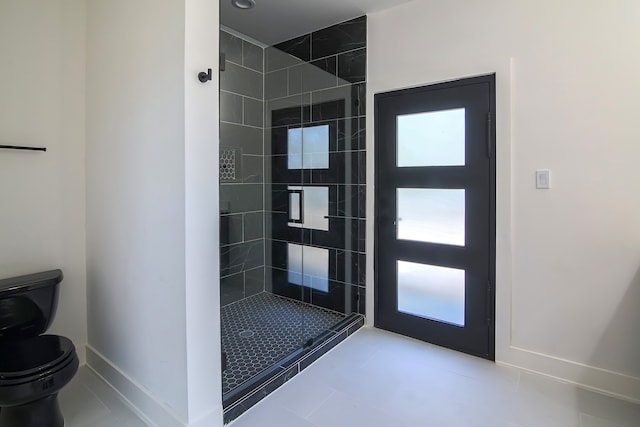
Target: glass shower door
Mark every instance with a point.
(285, 109)
(309, 205)
(300, 150)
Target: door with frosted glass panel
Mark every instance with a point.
(435, 214)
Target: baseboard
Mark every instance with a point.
(145, 405)
(211, 419)
(602, 381)
(81, 351)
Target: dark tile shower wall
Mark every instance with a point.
(241, 169)
(312, 80)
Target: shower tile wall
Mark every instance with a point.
(241, 169)
(318, 81)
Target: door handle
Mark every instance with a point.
(296, 206)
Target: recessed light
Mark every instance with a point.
(243, 4)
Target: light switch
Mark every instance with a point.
(543, 179)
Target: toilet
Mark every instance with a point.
(33, 367)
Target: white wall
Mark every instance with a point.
(204, 346)
(568, 258)
(153, 313)
(42, 195)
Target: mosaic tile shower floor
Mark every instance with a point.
(260, 330)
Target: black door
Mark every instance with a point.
(435, 213)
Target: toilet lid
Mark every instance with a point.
(29, 356)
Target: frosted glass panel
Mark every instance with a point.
(431, 139)
(294, 204)
(308, 148)
(308, 266)
(294, 148)
(431, 215)
(294, 263)
(431, 292)
(315, 204)
(315, 263)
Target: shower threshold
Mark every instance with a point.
(269, 339)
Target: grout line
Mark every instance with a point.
(330, 216)
(321, 247)
(239, 94)
(242, 227)
(240, 183)
(297, 125)
(306, 62)
(240, 124)
(241, 66)
(264, 166)
(306, 303)
(314, 91)
(242, 52)
(241, 36)
(243, 212)
(336, 281)
(243, 110)
(321, 404)
(317, 169)
(242, 243)
(288, 80)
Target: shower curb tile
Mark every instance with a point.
(249, 388)
(325, 347)
(347, 322)
(281, 379)
(292, 359)
(357, 325)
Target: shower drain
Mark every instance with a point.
(246, 333)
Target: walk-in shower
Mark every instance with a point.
(292, 198)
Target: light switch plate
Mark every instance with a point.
(543, 179)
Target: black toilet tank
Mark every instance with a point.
(28, 304)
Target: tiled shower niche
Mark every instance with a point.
(292, 200)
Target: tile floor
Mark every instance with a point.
(88, 402)
(259, 331)
(379, 379)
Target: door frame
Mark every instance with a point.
(491, 149)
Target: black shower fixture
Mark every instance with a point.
(205, 77)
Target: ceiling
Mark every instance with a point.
(274, 21)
